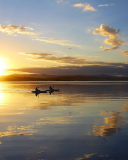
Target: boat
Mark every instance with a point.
(39, 91)
(52, 90)
(45, 91)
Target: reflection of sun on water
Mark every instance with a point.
(1, 97)
(2, 101)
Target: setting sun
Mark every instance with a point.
(2, 66)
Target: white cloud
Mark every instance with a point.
(13, 30)
(51, 57)
(10, 29)
(59, 1)
(62, 1)
(89, 30)
(87, 7)
(79, 5)
(106, 30)
(112, 33)
(60, 42)
(104, 5)
(102, 46)
(125, 53)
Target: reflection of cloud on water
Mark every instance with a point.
(10, 133)
(112, 124)
(27, 128)
(14, 131)
(104, 131)
(114, 121)
(30, 129)
(53, 120)
(41, 107)
(66, 100)
(88, 156)
(125, 109)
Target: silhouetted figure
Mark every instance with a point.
(50, 88)
(37, 89)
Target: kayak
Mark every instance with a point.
(39, 91)
(45, 91)
(52, 90)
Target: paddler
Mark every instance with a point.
(37, 89)
(50, 88)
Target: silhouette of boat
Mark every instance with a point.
(39, 91)
(52, 90)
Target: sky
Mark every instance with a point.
(64, 37)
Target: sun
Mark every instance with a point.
(2, 66)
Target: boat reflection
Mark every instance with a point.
(52, 91)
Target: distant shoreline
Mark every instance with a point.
(42, 77)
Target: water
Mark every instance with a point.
(85, 120)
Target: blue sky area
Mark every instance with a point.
(81, 37)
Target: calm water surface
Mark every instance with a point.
(85, 120)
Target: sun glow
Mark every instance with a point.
(2, 66)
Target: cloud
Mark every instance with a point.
(11, 29)
(102, 46)
(73, 60)
(87, 7)
(112, 33)
(59, 1)
(110, 48)
(79, 5)
(89, 30)
(62, 1)
(104, 5)
(113, 41)
(51, 57)
(125, 53)
(60, 42)
(106, 31)
(96, 68)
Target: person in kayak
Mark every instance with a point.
(37, 89)
(50, 88)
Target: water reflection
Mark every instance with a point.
(112, 126)
(93, 155)
(82, 116)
